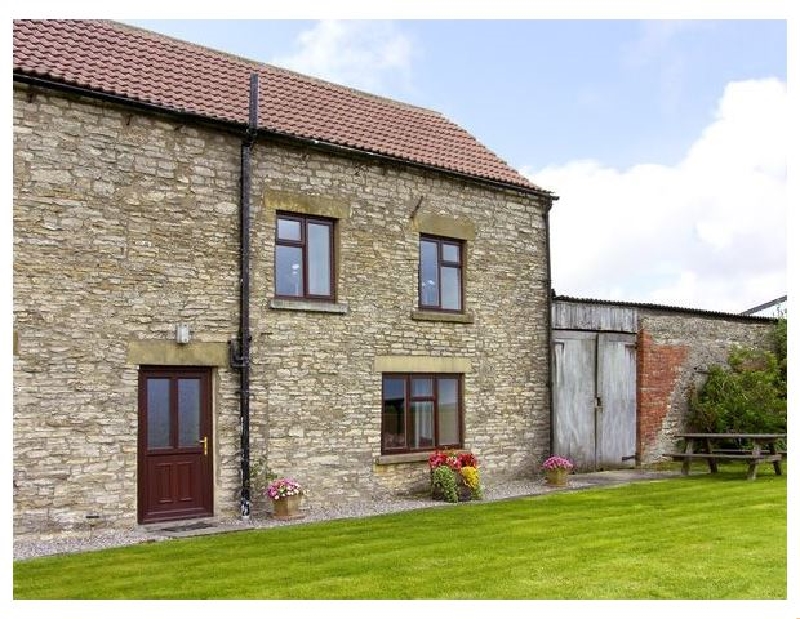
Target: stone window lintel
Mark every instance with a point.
(444, 226)
(305, 204)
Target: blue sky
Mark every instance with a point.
(664, 139)
(543, 92)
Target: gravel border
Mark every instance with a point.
(31, 546)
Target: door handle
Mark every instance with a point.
(204, 440)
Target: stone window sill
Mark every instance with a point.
(466, 317)
(324, 307)
(420, 456)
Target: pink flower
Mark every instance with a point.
(283, 487)
(557, 462)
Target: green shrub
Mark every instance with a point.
(779, 344)
(748, 396)
(444, 479)
(260, 476)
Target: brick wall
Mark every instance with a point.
(658, 368)
(126, 224)
(673, 352)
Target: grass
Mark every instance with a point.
(701, 537)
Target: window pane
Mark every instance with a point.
(289, 230)
(451, 253)
(451, 288)
(428, 273)
(394, 407)
(158, 422)
(448, 411)
(421, 387)
(421, 430)
(319, 259)
(188, 412)
(288, 271)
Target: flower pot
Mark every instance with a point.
(287, 507)
(556, 477)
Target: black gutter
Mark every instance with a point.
(243, 360)
(230, 126)
(236, 127)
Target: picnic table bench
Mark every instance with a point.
(763, 450)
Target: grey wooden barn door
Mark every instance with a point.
(574, 359)
(616, 413)
(594, 378)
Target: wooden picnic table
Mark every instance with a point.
(706, 446)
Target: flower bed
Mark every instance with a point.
(454, 477)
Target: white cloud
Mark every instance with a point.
(709, 232)
(369, 55)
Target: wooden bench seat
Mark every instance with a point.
(699, 455)
(742, 451)
(713, 447)
(752, 460)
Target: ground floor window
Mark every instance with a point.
(422, 412)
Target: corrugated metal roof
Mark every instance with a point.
(667, 308)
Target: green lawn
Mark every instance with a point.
(701, 537)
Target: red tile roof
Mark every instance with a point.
(151, 68)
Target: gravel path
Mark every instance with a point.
(27, 547)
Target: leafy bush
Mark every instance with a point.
(443, 478)
(260, 477)
(748, 396)
(260, 474)
(779, 344)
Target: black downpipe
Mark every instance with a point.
(549, 323)
(242, 361)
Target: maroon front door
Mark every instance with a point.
(175, 480)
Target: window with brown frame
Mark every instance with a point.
(441, 274)
(421, 412)
(304, 257)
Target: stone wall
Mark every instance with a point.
(126, 224)
(674, 351)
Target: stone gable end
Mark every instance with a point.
(126, 225)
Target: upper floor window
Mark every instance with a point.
(441, 274)
(303, 257)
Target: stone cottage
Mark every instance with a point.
(334, 285)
